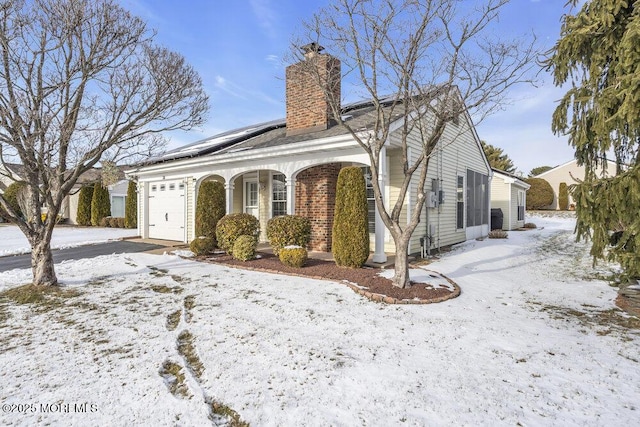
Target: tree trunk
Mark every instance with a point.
(42, 264)
(401, 276)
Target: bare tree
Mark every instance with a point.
(425, 61)
(82, 81)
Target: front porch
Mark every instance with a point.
(309, 192)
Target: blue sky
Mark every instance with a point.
(238, 48)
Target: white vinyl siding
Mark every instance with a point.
(460, 152)
(501, 198)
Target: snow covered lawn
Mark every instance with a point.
(531, 340)
(13, 242)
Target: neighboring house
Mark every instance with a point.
(291, 166)
(569, 173)
(8, 172)
(509, 193)
(69, 208)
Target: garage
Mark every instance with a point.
(167, 210)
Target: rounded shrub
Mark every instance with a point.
(563, 196)
(104, 222)
(11, 196)
(540, 195)
(202, 245)
(232, 226)
(210, 207)
(131, 206)
(350, 237)
(293, 256)
(288, 230)
(83, 215)
(100, 204)
(114, 222)
(244, 248)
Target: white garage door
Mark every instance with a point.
(166, 210)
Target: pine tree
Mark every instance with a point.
(598, 54)
(131, 206)
(497, 158)
(83, 215)
(350, 237)
(100, 204)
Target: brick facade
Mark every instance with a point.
(307, 107)
(316, 199)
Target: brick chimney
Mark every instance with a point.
(307, 107)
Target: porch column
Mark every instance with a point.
(143, 211)
(291, 195)
(228, 186)
(379, 256)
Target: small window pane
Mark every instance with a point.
(162, 187)
(154, 188)
(172, 187)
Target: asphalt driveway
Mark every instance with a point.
(89, 251)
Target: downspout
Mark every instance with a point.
(510, 203)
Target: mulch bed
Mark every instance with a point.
(365, 281)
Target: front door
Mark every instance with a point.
(251, 198)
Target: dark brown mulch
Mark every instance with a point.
(368, 279)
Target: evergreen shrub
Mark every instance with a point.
(210, 207)
(11, 196)
(350, 238)
(563, 196)
(104, 222)
(113, 222)
(293, 256)
(540, 195)
(288, 230)
(131, 206)
(100, 204)
(202, 245)
(244, 248)
(232, 226)
(83, 215)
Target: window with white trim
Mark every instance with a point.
(278, 195)
(371, 201)
(521, 204)
(460, 202)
